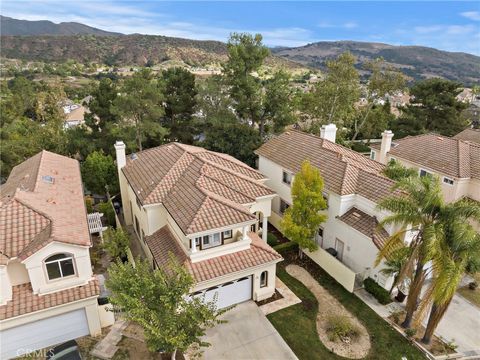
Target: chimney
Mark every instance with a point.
(120, 153)
(386, 145)
(328, 132)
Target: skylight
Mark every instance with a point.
(48, 179)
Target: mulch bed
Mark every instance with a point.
(276, 296)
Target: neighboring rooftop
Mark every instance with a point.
(200, 189)
(471, 135)
(344, 171)
(450, 156)
(367, 225)
(24, 301)
(163, 243)
(42, 201)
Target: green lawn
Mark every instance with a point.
(297, 324)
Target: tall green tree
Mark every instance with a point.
(333, 99)
(457, 250)
(433, 107)
(98, 172)
(417, 209)
(157, 301)
(180, 100)
(101, 106)
(116, 242)
(384, 79)
(302, 219)
(140, 105)
(397, 171)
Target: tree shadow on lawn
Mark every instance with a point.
(297, 323)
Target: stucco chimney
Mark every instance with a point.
(328, 132)
(386, 145)
(120, 153)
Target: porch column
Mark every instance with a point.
(245, 233)
(264, 228)
(193, 245)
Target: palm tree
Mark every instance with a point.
(394, 264)
(457, 251)
(415, 206)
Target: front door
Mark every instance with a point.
(339, 245)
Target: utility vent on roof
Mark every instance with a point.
(48, 179)
(394, 145)
(357, 215)
(133, 156)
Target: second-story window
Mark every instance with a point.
(209, 241)
(447, 180)
(59, 266)
(283, 206)
(227, 234)
(286, 177)
(424, 172)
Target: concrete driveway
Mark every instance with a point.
(247, 335)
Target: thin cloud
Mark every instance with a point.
(472, 15)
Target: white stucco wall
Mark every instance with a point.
(17, 272)
(5, 286)
(38, 274)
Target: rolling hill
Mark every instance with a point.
(11, 26)
(415, 61)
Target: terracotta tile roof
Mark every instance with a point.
(34, 212)
(199, 188)
(163, 242)
(366, 224)
(24, 301)
(450, 156)
(344, 171)
(472, 135)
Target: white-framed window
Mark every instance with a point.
(227, 234)
(209, 241)
(283, 206)
(287, 177)
(424, 172)
(448, 180)
(372, 154)
(59, 266)
(264, 279)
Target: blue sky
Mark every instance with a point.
(452, 26)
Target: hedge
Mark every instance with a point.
(286, 247)
(382, 295)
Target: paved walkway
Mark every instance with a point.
(289, 299)
(247, 335)
(107, 347)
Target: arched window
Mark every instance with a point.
(264, 279)
(59, 266)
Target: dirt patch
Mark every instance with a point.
(276, 296)
(358, 347)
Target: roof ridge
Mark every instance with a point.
(267, 248)
(224, 184)
(24, 203)
(222, 200)
(235, 161)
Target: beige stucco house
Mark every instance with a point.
(353, 187)
(48, 293)
(456, 161)
(207, 209)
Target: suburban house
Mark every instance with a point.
(206, 209)
(456, 161)
(350, 239)
(48, 292)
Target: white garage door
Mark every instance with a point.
(230, 293)
(43, 333)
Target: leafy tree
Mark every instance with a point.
(140, 105)
(457, 250)
(377, 119)
(433, 107)
(180, 101)
(277, 108)
(214, 103)
(116, 242)
(99, 171)
(233, 138)
(384, 80)
(302, 220)
(396, 171)
(100, 106)
(157, 301)
(333, 99)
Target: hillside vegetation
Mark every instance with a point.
(416, 62)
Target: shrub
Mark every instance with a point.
(382, 295)
(340, 327)
(287, 247)
(473, 285)
(89, 204)
(116, 242)
(272, 239)
(108, 211)
(396, 316)
(410, 332)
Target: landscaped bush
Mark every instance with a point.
(340, 327)
(382, 295)
(287, 247)
(272, 239)
(473, 285)
(108, 211)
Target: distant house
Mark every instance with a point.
(454, 160)
(48, 292)
(206, 209)
(350, 239)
